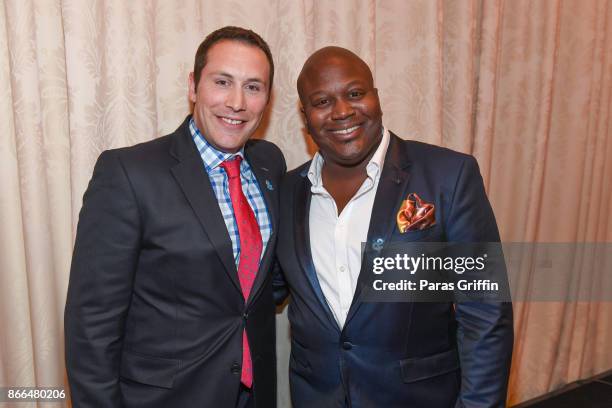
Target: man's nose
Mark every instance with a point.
(342, 110)
(235, 99)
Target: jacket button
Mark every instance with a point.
(235, 369)
(245, 315)
(347, 345)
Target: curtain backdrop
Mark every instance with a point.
(525, 86)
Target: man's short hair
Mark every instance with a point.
(230, 33)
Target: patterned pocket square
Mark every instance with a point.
(415, 214)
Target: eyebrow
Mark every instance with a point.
(230, 76)
(357, 82)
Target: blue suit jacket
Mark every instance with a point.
(421, 355)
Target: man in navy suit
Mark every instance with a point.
(170, 299)
(346, 352)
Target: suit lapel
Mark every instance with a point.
(193, 180)
(301, 202)
(389, 196)
(267, 189)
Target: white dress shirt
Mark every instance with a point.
(336, 239)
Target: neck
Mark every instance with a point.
(335, 171)
(343, 182)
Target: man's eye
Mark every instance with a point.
(356, 94)
(222, 82)
(253, 88)
(321, 102)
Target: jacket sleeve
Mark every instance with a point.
(279, 285)
(100, 287)
(485, 333)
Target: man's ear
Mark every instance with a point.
(192, 88)
(378, 98)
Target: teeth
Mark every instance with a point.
(232, 121)
(346, 131)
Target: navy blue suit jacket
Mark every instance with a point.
(420, 355)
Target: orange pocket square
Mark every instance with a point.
(415, 214)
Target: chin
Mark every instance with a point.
(231, 144)
(356, 156)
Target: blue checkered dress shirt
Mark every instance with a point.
(212, 159)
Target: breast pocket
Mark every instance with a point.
(432, 233)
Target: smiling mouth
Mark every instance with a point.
(231, 121)
(346, 131)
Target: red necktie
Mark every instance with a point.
(250, 251)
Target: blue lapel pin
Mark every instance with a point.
(378, 244)
(269, 185)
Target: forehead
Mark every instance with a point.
(334, 73)
(237, 58)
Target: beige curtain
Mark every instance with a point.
(525, 86)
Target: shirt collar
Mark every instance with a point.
(211, 156)
(373, 169)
